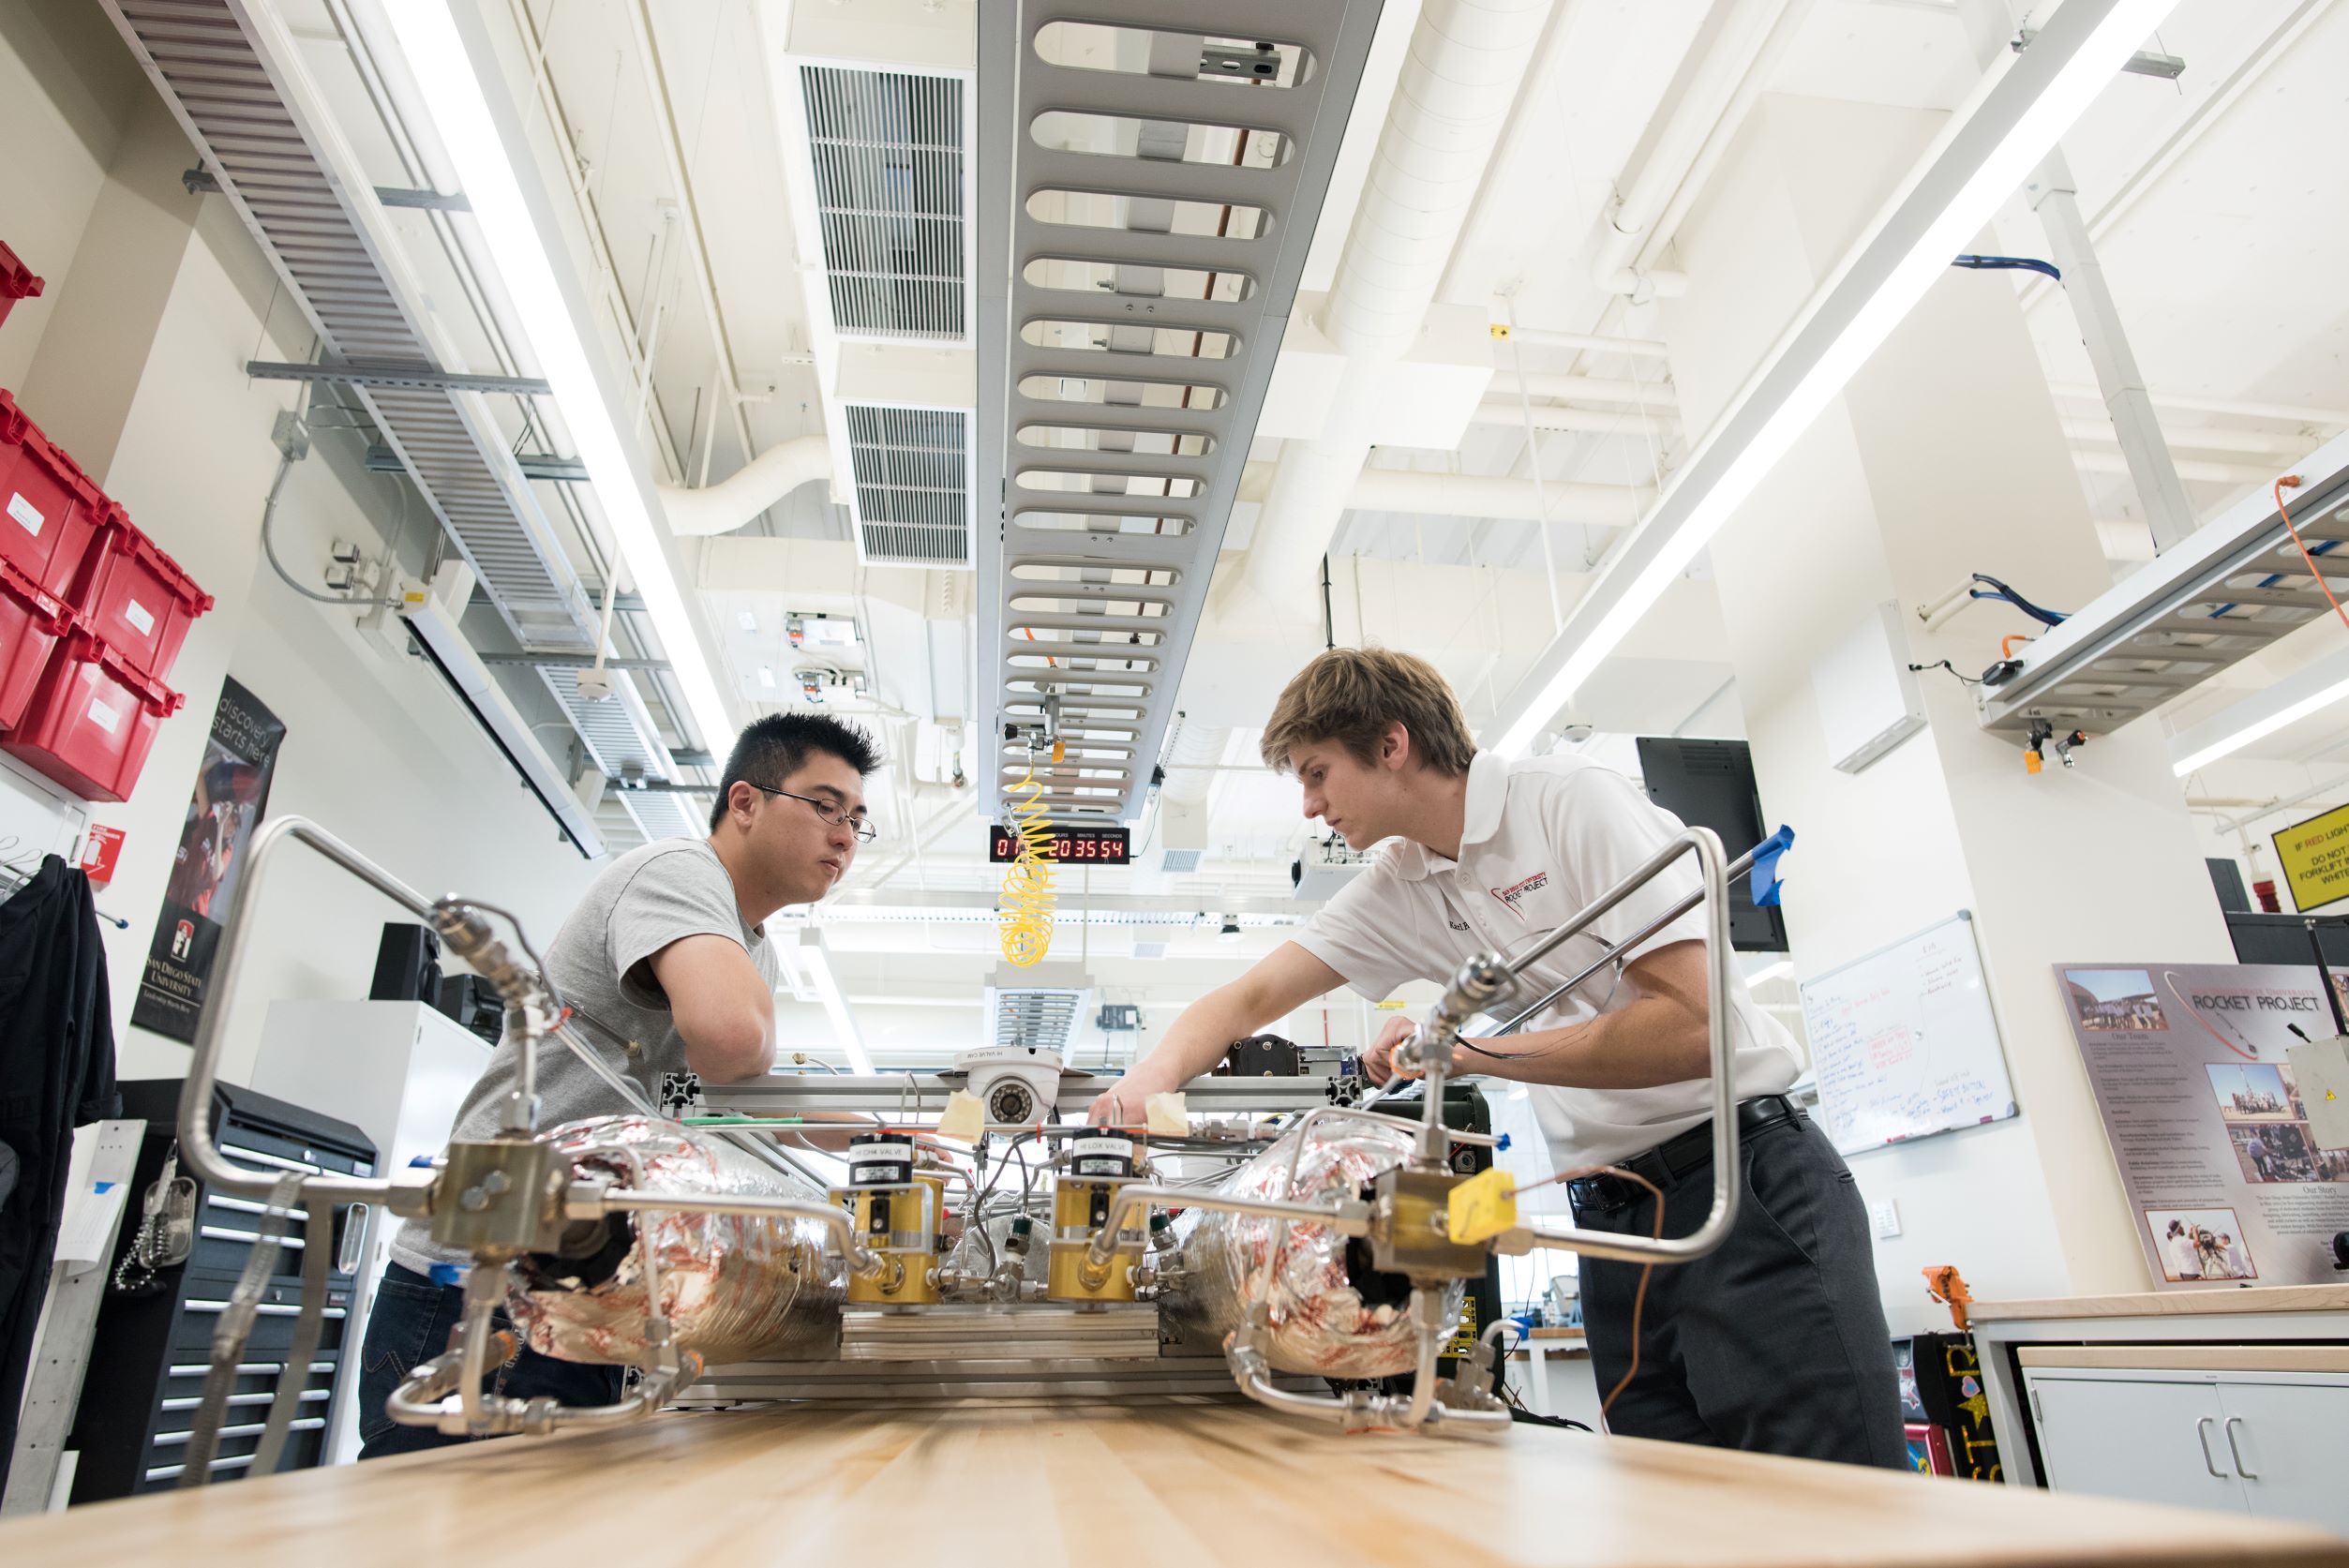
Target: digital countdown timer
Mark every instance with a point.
(1070, 847)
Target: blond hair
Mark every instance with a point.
(1350, 694)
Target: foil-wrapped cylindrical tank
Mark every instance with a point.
(1329, 1317)
(734, 1287)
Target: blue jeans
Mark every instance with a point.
(410, 1324)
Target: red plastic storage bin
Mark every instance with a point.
(16, 280)
(31, 622)
(49, 508)
(91, 720)
(136, 598)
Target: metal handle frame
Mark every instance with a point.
(2202, 1438)
(1488, 977)
(196, 1142)
(2235, 1450)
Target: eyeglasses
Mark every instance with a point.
(832, 815)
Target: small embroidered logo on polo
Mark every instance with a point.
(1514, 895)
(1456, 925)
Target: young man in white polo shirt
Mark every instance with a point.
(1776, 1343)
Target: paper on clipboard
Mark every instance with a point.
(86, 1233)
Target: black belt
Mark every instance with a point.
(1676, 1157)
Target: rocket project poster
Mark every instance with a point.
(2227, 1184)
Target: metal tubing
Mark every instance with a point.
(1723, 1213)
(1351, 1219)
(196, 1147)
(1737, 868)
(862, 1261)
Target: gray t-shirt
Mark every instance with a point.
(600, 962)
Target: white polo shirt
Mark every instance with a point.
(1541, 841)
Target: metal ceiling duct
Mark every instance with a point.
(232, 76)
(1108, 509)
(233, 82)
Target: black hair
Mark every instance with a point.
(774, 748)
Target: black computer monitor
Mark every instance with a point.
(1709, 783)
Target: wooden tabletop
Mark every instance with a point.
(1176, 1483)
(2166, 1304)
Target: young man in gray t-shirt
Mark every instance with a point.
(667, 964)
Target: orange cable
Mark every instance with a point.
(2294, 481)
(1647, 1271)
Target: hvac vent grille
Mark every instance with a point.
(912, 472)
(888, 153)
(1036, 1020)
(1179, 860)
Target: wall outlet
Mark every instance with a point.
(1884, 1217)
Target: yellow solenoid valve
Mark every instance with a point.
(1099, 1163)
(899, 1212)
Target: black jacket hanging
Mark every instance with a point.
(56, 1072)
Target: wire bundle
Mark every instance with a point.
(1026, 914)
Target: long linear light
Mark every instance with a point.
(2305, 691)
(2015, 116)
(818, 960)
(444, 71)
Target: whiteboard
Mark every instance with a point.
(1903, 1042)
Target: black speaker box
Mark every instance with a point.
(407, 966)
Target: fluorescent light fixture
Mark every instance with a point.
(2306, 690)
(818, 960)
(2022, 108)
(1779, 970)
(469, 130)
(767, 675)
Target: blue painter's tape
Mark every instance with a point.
(1765, 882)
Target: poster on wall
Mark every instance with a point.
(231, 792)
(2227, 1183)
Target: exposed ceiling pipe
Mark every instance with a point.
(1191, 763)
(672, 153)
(1732, 41)
(1603, 422)
(1589, 389)
(2289, 414)
(1591, 343)
(1458, 84)
(2259, 444)
(2112, 461)
(1461, 495)
(1724, 131)
(750, 490)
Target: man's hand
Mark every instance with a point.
(1127, 1102)
(1378, 1062)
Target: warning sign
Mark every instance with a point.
(2314, 855)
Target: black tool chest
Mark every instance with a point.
(148, 1360)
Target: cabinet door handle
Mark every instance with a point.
(2202, 1435)
(2233, 1447)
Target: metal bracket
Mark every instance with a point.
(422, 377)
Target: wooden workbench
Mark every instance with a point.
(1177, 1482)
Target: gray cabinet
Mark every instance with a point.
(2257, 1442)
